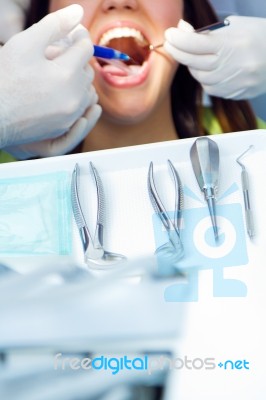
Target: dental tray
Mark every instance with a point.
(130, 219)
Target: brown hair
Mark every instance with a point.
(186, 92)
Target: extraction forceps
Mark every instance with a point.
(94, 252)
(204, 155)
(172, 227)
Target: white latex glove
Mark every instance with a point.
(41, 98)
(61, 145)
(229, 62)
(12, 17)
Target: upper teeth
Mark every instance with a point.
(119, 33)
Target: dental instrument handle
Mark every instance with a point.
(87, 242)
(77, 211)
(98, 236)
(213, 27)
(248, 211)
(205, 160)
(109, 53)
(250, 223)
(209, 194)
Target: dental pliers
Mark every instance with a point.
(94, 252)
(172, 227)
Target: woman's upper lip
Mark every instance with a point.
(118, 24)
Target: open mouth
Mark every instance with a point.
(127, 40)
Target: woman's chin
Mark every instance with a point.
(126, 117)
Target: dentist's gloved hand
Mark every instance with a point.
(229, 62)
(47, 102)
(12, 17)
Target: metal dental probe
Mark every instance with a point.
(212, 27)
(245, 189)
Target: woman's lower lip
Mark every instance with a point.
(125, 81)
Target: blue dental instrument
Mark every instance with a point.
(109, 53)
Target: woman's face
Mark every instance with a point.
(129, 25)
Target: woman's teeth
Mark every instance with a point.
(120, 32)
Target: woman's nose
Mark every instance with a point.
(109, 5)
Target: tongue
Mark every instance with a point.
(114, 70)
(118, 68)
